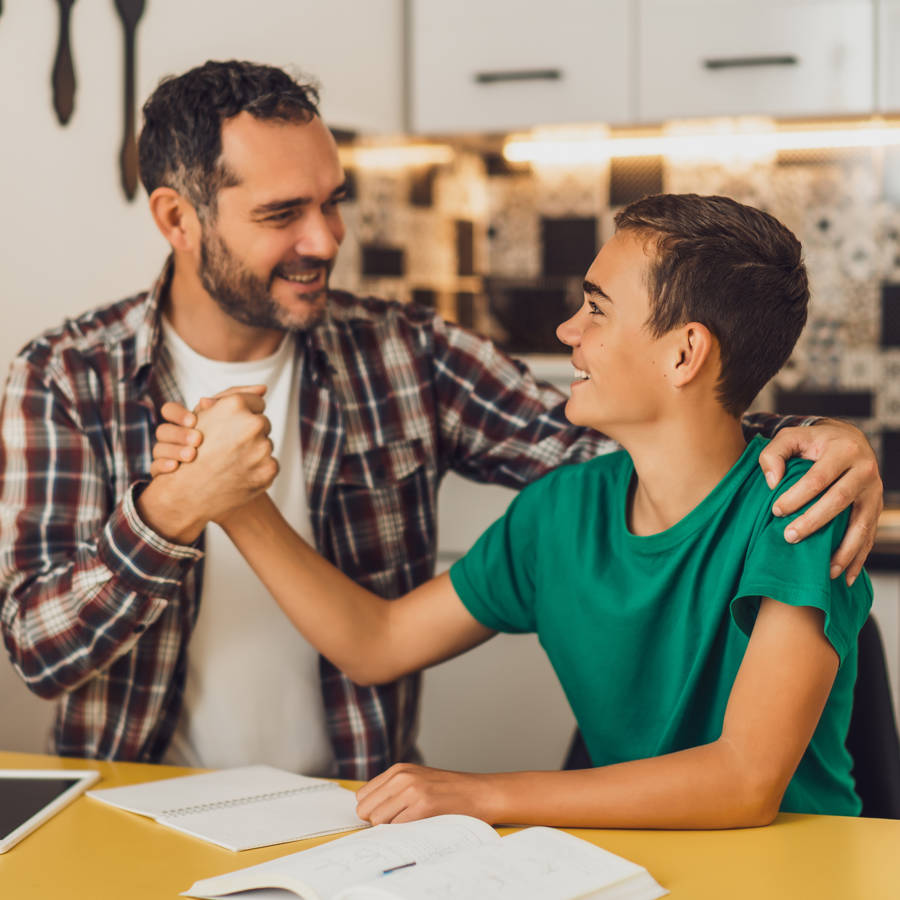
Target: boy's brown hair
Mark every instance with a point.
(733, 268)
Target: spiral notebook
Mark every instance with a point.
(243, 808)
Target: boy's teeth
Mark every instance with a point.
(581, 374)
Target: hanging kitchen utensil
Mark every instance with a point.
(63, 77)
(130, 12)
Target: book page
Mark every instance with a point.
(155, 798)
(276, 819)
(321, 872)
(534, 864)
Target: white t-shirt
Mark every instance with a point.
(253, 692)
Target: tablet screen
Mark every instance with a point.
(30, 797)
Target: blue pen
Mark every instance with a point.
(394, 868)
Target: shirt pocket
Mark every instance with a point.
(383, 466)
(383, 516)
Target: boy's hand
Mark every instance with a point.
(406, 792)
(845, 468)
(177, 439)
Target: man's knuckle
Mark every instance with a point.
(870, 469)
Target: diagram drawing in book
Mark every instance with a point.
(243, 808)
(441, 858)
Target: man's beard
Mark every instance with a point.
(246, 297)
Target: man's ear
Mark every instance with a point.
(692, 348)
(176, 219)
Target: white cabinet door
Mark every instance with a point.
(770, 57)
(353, 49)
(888, 38)
(494, 65)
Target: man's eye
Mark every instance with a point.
(284, 216)
(594, 309)
(336, 201)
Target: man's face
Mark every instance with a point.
(267, 257)
(620, 365)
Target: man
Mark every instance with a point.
(118, 600)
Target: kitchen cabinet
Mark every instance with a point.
(769, 57)
(496, 65)
(353, 50)
(888, 53)
(485, 65)
(886, 611)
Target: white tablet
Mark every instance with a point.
(28, 797)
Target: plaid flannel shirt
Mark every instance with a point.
(97, 609)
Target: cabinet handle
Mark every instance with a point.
(518, 75)
(746, 62)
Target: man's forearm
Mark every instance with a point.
(73, 606)
(768, 424)
(169, 513)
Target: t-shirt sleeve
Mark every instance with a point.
(798, 574)
(496, 579)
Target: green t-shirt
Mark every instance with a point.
(646, 634)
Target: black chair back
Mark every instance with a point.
(872, 739)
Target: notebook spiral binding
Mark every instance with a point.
(243, 801)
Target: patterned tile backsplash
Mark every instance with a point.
(503, 249)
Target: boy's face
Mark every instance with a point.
(621, 371)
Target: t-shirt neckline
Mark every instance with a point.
(743, 467)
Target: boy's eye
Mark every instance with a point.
(594, 309)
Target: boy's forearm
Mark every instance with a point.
(344, 621)
(702, 787)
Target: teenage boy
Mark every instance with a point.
(709, 664)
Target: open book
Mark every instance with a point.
(239, 809)
(442, 858)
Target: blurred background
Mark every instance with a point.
(489, 145)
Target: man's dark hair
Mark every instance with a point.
(735, 269)
(181, 139)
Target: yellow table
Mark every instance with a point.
(91, 851)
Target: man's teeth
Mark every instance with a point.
(582, 375)
(302, 277)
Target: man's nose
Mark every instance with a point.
(318, 237)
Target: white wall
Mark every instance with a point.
(69, 240)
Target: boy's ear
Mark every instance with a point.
(176, 219)
(694, 345)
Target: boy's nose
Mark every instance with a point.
(568, 332)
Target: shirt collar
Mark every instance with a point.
(149, 332)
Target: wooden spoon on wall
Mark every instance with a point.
(130, 12)
(63, 77)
